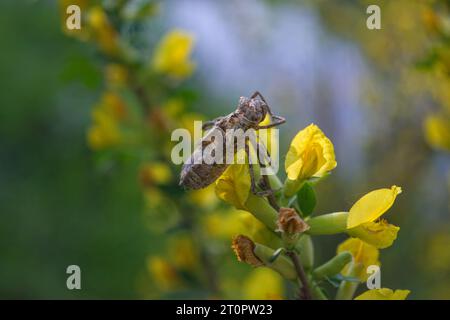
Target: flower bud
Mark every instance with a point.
(333, 266)
(331, 223)
(305, 249)
(261, 210)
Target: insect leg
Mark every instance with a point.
(265, 182)
(267, 160)
(209, 124)
(258, 94)
(279, 120)
(263, 193)
(250, 167)
(267, 157)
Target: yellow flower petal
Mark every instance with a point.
(113, 105)
(223, 224)
(183, 253)
(116, 75)
(205, 198)
(311, 154)
(172, 54)
(153, 197)
(103, 133)
(383, 294)
(371, 206)
(103, 32)
(363, 254)
(379, 234)
(153, 173)
(233, 186)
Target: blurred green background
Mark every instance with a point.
(370, 91)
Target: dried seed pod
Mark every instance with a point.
(244, 247)
(290, 223)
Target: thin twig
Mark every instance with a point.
(210, 271)
(141, 93)
(306, 291)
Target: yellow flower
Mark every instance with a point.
(171, 55)
(437, 132)
(379, 234)
(431, 20)
(183, 253)
(372, 206)
(205, 198)
(103, 32)
(104, 132)
(163, 273)
(383, 294)
(153, 197)
(311, 154)
(174, 107)
(364, 255)
(113, 105)
(233, 186)
(263, 284)
(155, 173)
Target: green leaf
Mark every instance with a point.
(306, 199)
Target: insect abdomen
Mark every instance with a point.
(198, 176)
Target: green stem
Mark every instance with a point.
(317, 292)
(282, 264)
(305, 289)
(291, 187)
